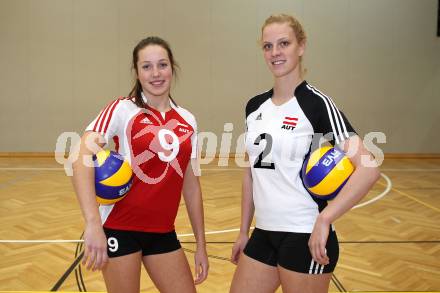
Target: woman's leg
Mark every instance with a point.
(294, 282)
(170, 272)
(122, 273)
(298, 271)
(254, 276)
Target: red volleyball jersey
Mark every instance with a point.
(158, 146)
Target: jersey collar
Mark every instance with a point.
(145, 99)
(300, 88)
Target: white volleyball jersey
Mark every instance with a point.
(278, 138)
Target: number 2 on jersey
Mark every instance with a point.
(260, 163)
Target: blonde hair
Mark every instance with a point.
(295, 25)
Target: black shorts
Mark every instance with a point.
(121, 242)
(290, 251)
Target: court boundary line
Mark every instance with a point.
(381, 195)
(67, 273)
(415, 199)
(388, 187)
(337, 283)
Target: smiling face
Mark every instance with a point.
(154, 71)
(281, 49)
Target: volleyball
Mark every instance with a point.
(113, 177)
(326, 171)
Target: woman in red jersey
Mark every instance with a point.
(159, 139)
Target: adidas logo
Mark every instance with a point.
(259, 117)
(146, 121)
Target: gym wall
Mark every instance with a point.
(64, 60)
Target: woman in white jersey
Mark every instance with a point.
(159, 138)
(294, 244)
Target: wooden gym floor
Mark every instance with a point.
(390, 243)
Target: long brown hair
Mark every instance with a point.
(136, 91)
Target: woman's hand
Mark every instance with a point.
(201, 265)
(238, 247)
(318, 240)
(95, 251)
